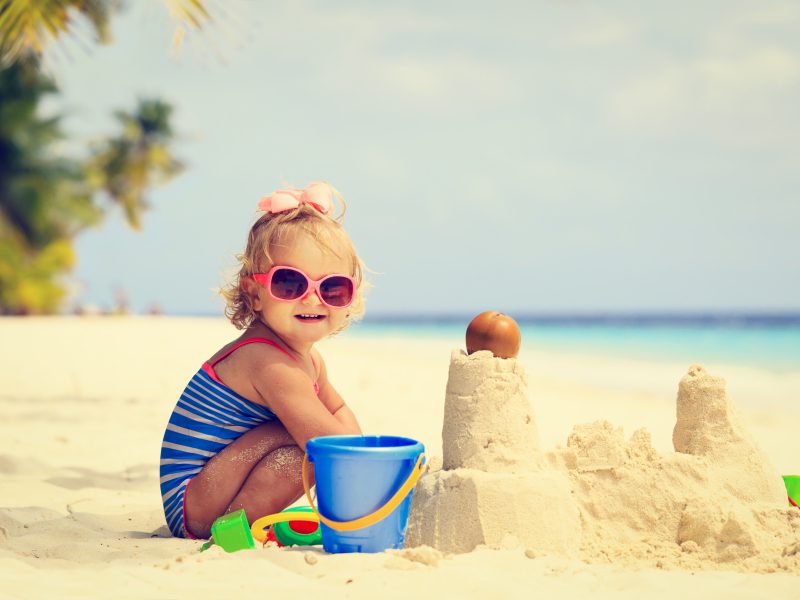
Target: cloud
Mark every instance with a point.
(749, 96)
(603, 32)
(732, 78)
(767, 13)
(441, 81)
(390, 53)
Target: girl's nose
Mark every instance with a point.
(312, 297)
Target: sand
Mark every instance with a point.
(84, 402)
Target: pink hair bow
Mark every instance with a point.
(318, 194)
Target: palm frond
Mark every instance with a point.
(27, 26)
(189, 12)
(126, 166)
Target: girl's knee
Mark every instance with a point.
(286, 463)
(273, 484)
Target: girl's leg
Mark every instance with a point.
(273, 484)
(259, 466)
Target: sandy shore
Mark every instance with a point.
(85, 400)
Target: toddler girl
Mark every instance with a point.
(238, 432)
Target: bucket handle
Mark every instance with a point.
(373, 517)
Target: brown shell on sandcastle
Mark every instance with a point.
(716, 500)
(495, 332)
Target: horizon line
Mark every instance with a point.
(728, 317)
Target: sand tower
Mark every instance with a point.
(708, 426)
(493, 488)
(716, 498)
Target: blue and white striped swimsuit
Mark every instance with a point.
(208, 416)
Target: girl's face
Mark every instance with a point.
(306, 320)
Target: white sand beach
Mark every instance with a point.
(84, 402)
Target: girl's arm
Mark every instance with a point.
(348, 419)
(286, 390)
(333, 400)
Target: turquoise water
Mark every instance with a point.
(772, 343)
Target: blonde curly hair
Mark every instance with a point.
(273, 229)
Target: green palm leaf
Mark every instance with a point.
(44, 198)
(26, 26)
(127, 165)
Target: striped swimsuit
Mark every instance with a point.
(208, 416)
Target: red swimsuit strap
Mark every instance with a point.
(252, 341)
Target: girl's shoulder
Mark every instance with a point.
(256, 346)
(257, 367)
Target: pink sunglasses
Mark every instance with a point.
(288, 283)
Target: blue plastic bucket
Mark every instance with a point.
(357, 475)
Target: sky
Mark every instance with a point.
(530, 157)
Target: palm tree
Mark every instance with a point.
(127, 165)
(44, 199)
(27, 25)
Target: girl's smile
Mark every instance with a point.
(309, 318)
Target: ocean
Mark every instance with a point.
(770, 341)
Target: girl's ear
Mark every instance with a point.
(249, 287)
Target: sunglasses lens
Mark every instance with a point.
(337, 291)
(288, 285)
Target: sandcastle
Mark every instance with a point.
(715, 500)
(493, 488)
